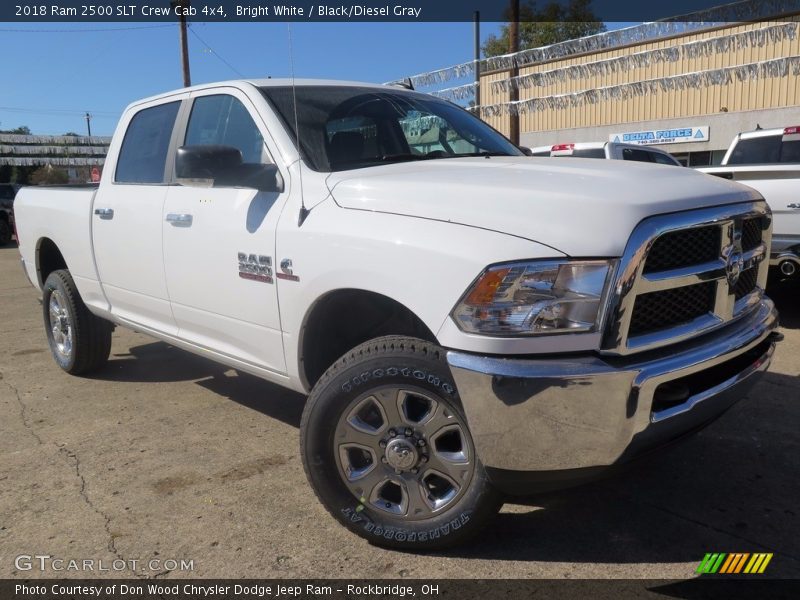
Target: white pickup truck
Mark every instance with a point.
(468, 322)
(768, 160)
(609, 151)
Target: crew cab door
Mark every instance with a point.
(126, 217)
(219, 242)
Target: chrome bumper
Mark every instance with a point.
(579, 412)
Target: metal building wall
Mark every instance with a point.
(736, 96)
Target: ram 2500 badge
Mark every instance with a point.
(467, 322)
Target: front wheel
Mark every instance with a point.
(79, 341)
(387, 449)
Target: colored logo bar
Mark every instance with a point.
(734, 562)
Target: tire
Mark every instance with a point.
(422, 488)
(5, 232)
(79, 341)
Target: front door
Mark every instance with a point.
(219, 243)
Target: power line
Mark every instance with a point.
(215, 53)
(7, 30)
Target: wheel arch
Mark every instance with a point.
(48, 259)
(342, 319)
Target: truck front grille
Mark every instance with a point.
(668, 308)
(682, 248)
(684, 274)
(752, 233)
(748, 281)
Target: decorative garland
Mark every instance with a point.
(768, 69)
(744, 11)
(698, 48)
(461, 92)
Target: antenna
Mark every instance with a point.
(303, 210)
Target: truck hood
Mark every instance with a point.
(580, 207)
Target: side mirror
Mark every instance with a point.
(526, 151)
(222, 166)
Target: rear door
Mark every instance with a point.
(219, 242)
(126, 219)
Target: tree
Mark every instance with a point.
(551, 24)
(49, 175)
(24, 130)
(72, 133)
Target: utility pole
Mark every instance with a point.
(478, 61)
(89, 124)
(513, 47)
(183, 5)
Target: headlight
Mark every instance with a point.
(536, 298)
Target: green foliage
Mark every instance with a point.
(551, 24)
(24, 130)
(49, 175)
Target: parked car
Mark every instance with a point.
(608, 150)
(7, 193)
(468, 323)
(768, 160)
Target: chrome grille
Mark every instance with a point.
(668, 308)
(748, 281)
(687, 273)
(682, 248)
(752, 232)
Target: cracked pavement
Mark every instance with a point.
(164, 455)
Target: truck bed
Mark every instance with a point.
(61, 214)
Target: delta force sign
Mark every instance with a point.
(677, 135)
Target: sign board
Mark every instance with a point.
(673, 135)
(95, 174)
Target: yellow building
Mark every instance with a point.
(734, 78)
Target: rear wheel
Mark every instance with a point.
(79, 341)
(387, 448)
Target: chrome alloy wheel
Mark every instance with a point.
(60, 325)
(402, 451)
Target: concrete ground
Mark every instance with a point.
(164, 455)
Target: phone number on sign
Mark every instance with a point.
(116, 10)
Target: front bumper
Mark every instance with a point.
(578, 413)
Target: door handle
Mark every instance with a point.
(794, 205)
(179, 220)
(104, 213)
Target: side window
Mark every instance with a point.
(223, 120)
(589, 153)
(663, 159)
(143, 155)
(754, 151)
(637, 155)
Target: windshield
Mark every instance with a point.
(343, 127)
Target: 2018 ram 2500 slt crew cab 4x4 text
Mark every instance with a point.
(467, 321)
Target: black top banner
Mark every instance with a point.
(83, 11)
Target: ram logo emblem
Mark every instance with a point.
(255, 267)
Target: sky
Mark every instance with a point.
(57, 72)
